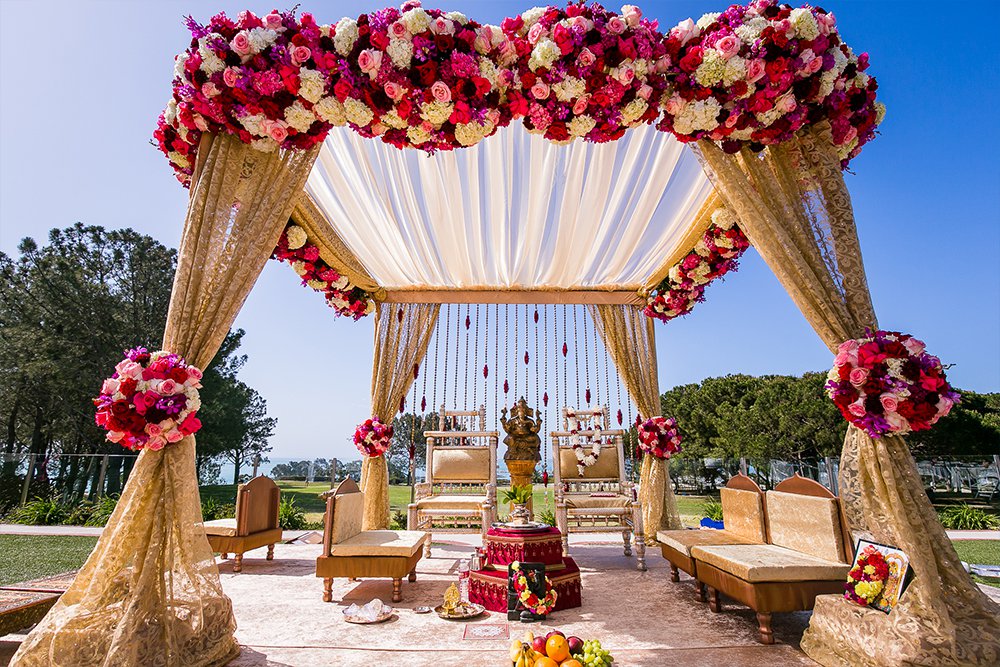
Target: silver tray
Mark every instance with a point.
(386, 614)
(464, 611)
(530, 527)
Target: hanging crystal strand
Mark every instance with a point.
(444, 374)
(475, 364)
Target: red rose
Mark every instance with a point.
(528, 80)
(557, 131)
(427, 73)
(380, 40)
(444, 42)
(692, 59)
(482, 85)
(342, 90)
(404, 107)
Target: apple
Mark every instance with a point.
(555, 632)
(539, 644)
(575, 645)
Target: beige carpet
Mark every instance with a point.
(641, 617)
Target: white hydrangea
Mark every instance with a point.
(700, 273)
(418, 135)
(804, 23)
(394, 120)
(296, 237)
(640, 66)
(261, 38)
(458, 17)
(674, 274)
(264, 145)
(179, 159)
(879, 113)
(827, 81)
(170, 113)
(252, 123)
(531, 17)
(416, 20)
(179, 63)
(746, 134)
(357, 112)
(580, 126)
(488, 70)
(470, 134)
(299, 117)
(401, 52)
(330, 110)
(723, 218)
(736, 70)
(750, 31)
(569, 88)
(707, 20)
(346, 36)
(634, 110)
(711, 69)
(210, 63)
(318, 285)
(299, 267)
(544, 54)
(311, 84)
(844, 150)
(436, 113)
(702, 248)
(698, 115)
(340, 283)
(769, 116)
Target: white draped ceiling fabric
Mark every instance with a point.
(515, 212)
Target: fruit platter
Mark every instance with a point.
(555, 649)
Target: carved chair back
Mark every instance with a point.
(257, 506)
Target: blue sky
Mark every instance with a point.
(77, 110)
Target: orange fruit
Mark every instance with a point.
(545, 661)
(557, 648)
(572, 662)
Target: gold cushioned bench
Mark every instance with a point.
(808, 554)
(743, 517)
(351, 552)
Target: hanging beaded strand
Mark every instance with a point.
(468, 323)
(514, 348)
(447, 347)
(586, 360)
(506, 361)
(576, 357)
(458, 345)
(565, 351)
(545, 400)
(434, 385)
(527, 358)
(475, 364)
(597, 371)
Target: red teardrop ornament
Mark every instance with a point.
(468, 322)
(423, 404)
(486, 371)
(587, 395)
(526, 357)
(416, 371)
(506, 387)
(545, 478)
(399, 315)
(545, 399)
(536, 316)
(402, 403)
(413, 451)
(565, 349)
(619, 417)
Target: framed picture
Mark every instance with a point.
(899, 577)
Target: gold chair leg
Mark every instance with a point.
(270, 552)
(764, 625)
(397, 590)
(238, 563)
(328, 589)
(412, 576)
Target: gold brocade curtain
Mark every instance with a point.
(150, 593)
(629, 338)
(402, 332)
(795, 209)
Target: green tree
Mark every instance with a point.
(409, 428)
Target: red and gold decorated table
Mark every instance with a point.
(502, 547)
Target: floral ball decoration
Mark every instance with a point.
(422, 78)
(344, 297)
(716, 254)
(264, 79)
(756, 74)
(151, 400)
(539, 606)
(586, 72)
(659, 437)
(886, 384)
(372, 437)
(867, 578)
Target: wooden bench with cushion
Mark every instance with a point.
(808, 555)
(255, 525)
(351, 552)
(743, 518)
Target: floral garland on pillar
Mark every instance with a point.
(152, 400)
(716, 254)
(373, 438)
(756, 74)
(887, 384)
(659, 437)
(344, 297)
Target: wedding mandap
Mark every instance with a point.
(574, 166)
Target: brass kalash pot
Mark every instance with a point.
(523, 444)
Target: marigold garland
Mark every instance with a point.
(531, 601)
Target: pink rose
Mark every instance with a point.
(625, 75)
(168, 387)
(784, 25)
(273, 21)
(632, 14)
(858, 376)
(786, 104)
(393, 90)
(300, 54)
(889, 402)
(674, 105)
(616, 25)
(200, 122)
(442, 26)
(540, 90)
(278, 131)
(484, 39)
(194, 372)
(841, 358)
(241, 43)
(582, 23)
(153, 429)
(493, 116)
(826, 23)
(944, 405)
(110, 386)
(441, 91)
(535, 33)
(755, 70)
(914, 346)
(848, 346)
(174, 436)
(684, 31)
(580, 106)
(728, 46)
(369, 61)
(115, 436)
(815, 65)
(857, 409)
(645, 91)
(209, 89)
(231, 76)
(156, 443)
(398, 30)
(585, 58)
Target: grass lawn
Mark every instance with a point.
(33, 556)
(980, 552)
